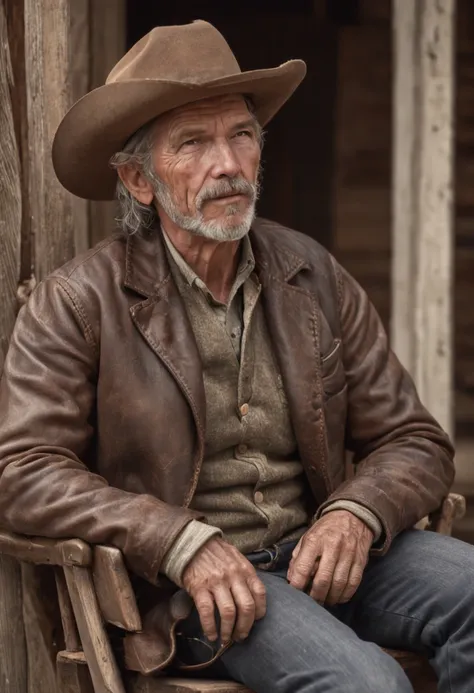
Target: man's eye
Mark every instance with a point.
(243, 133)
(190, 143)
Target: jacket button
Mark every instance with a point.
(258, 497)
(242, 449)
(244, 409)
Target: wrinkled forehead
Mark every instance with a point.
(206, 110)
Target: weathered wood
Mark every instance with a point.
(114, 590)
(13, 657)
(10, 196)
(68, 621)
(80, 60)
(95, 643)
(452, 509)
(422, 197)
(361, 196)
(45, 551)
(16, 36)
(42, 626)
(73, 673)
(13, 671)
(47, 68)
(108, 45)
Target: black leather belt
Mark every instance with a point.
(273, 557)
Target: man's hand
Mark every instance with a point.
(221, 576)
(335, 551)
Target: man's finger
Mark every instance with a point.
(324, 574)
(259, 592)
(245, 605)
(205, 606)
(340, 578)
(302, 567)
(353, 582)
(227, 610)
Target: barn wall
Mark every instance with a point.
(361, 234)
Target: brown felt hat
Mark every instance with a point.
(169, 67)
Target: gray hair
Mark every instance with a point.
(137, 152)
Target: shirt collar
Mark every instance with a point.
(244, 270)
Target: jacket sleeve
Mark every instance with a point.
(404, 460)
(47, 400)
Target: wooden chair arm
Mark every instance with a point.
(114, 589)
(452, 508)
(40, 550)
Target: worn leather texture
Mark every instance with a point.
(102, 406)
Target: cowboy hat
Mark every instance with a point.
(169, 67)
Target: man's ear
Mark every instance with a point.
(136, 183)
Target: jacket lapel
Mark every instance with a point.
(293, 320)
(162, 321)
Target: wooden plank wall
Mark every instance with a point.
(362, 177)
(108, 45)
(38, 233)
(464, 200)
(98, 41)
(361, 233)
(13, 657)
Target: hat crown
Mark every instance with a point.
(191, 53)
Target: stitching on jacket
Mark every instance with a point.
(80, 312)
(103, 244)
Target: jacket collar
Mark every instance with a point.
(146, 264)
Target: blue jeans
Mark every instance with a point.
(419, 597)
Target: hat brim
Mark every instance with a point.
(100, 123)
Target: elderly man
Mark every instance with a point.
(186, 391)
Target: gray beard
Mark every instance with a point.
(216, 230)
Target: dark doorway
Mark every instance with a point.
(298, 156)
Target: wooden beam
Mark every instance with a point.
(13, 657)
(107, 45)
(80, 63)
(422, 236)
(49, 97)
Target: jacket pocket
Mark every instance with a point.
(332, 370)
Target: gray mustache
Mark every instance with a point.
(232, 186)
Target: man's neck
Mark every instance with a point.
(214, 263)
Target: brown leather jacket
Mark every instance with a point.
(102, 408)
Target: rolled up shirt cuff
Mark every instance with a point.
(188, 543)
(360, 511)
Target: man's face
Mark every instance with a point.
(206, 158)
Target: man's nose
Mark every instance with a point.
(225, 161)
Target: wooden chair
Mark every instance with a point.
(94, 587)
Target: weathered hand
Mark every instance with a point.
(335, 551)
(219, 575)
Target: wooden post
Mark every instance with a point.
(13, 658)
(80, 57)
(36, 235)
(107, 46)
(48, 70)
(422, 197)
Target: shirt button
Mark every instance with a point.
(244, 409)
(242, 449)
(258, 497)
